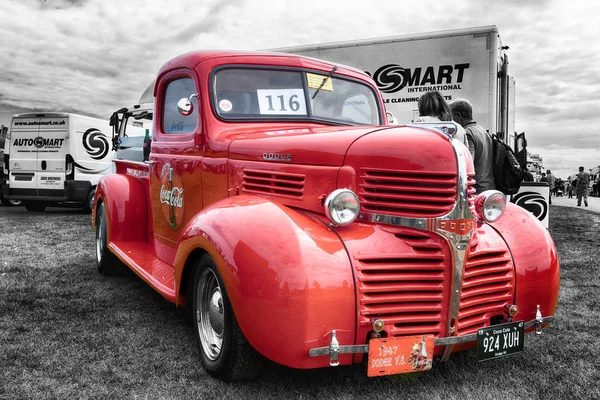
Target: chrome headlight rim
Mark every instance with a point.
(490, 205)
(338, 209)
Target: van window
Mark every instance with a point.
(173, 121)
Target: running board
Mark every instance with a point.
(141, 259)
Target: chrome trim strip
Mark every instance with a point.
(447, 341)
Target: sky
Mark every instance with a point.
(95, 56)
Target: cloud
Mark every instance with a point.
(97, 56)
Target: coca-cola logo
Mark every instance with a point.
(172, 197)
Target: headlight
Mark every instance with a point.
(490, 205)
(342, 206)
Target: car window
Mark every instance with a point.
(270, 94)
(173, 121)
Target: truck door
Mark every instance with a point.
(23, 155)
(51, 153)
(175, 164)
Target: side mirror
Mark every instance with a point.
(185, 106)
(391, 119)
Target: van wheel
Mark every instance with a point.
(88, 206)
(107, 262)
(224, 350)
(6, 202)
(35, 207)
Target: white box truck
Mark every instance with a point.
(468, 63)
(52, 158)
(129, 129)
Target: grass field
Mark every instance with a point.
(67, 332)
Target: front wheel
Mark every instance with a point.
(106, 262)
(224, 349)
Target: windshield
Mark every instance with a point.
(268, 94)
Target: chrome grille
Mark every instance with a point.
(407, 193)
(471, 193)
(406, 291)
(488, 285)
(275, 183)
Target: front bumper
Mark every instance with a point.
(335, 349)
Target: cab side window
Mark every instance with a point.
(173, 121)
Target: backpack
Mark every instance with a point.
(508, 173)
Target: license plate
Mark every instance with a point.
(500, 340)
(400, 355)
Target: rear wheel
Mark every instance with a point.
(35, 206)
(106, 261)
(225, 352)
(6, 202)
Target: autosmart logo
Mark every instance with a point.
(95, 143)
(533, 202)
(39, 142)
(391, 78)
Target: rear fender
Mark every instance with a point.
(287, 275)
(536, 261)
(124, 199)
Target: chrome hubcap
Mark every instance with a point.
(210, 315)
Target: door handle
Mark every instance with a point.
(150, 162)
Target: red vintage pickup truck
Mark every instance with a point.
(297, 225)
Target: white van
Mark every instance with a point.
(53, 158)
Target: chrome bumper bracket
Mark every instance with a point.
(335, 349)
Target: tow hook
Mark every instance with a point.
(538, 321)
(334, 350)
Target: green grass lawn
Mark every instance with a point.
(67, 332)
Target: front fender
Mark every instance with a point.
(124, 199)
(287, 275)
(536, 261)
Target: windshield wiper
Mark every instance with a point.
(325, 80)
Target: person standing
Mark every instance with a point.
(552, 184)
(583, 182)
(433, 108)
(479, 143)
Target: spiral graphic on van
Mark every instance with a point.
(533, 202)
(38, 142)
(95, 143)
(390, 78)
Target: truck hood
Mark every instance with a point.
(404, 171)
(384, 146)
(325, 146)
